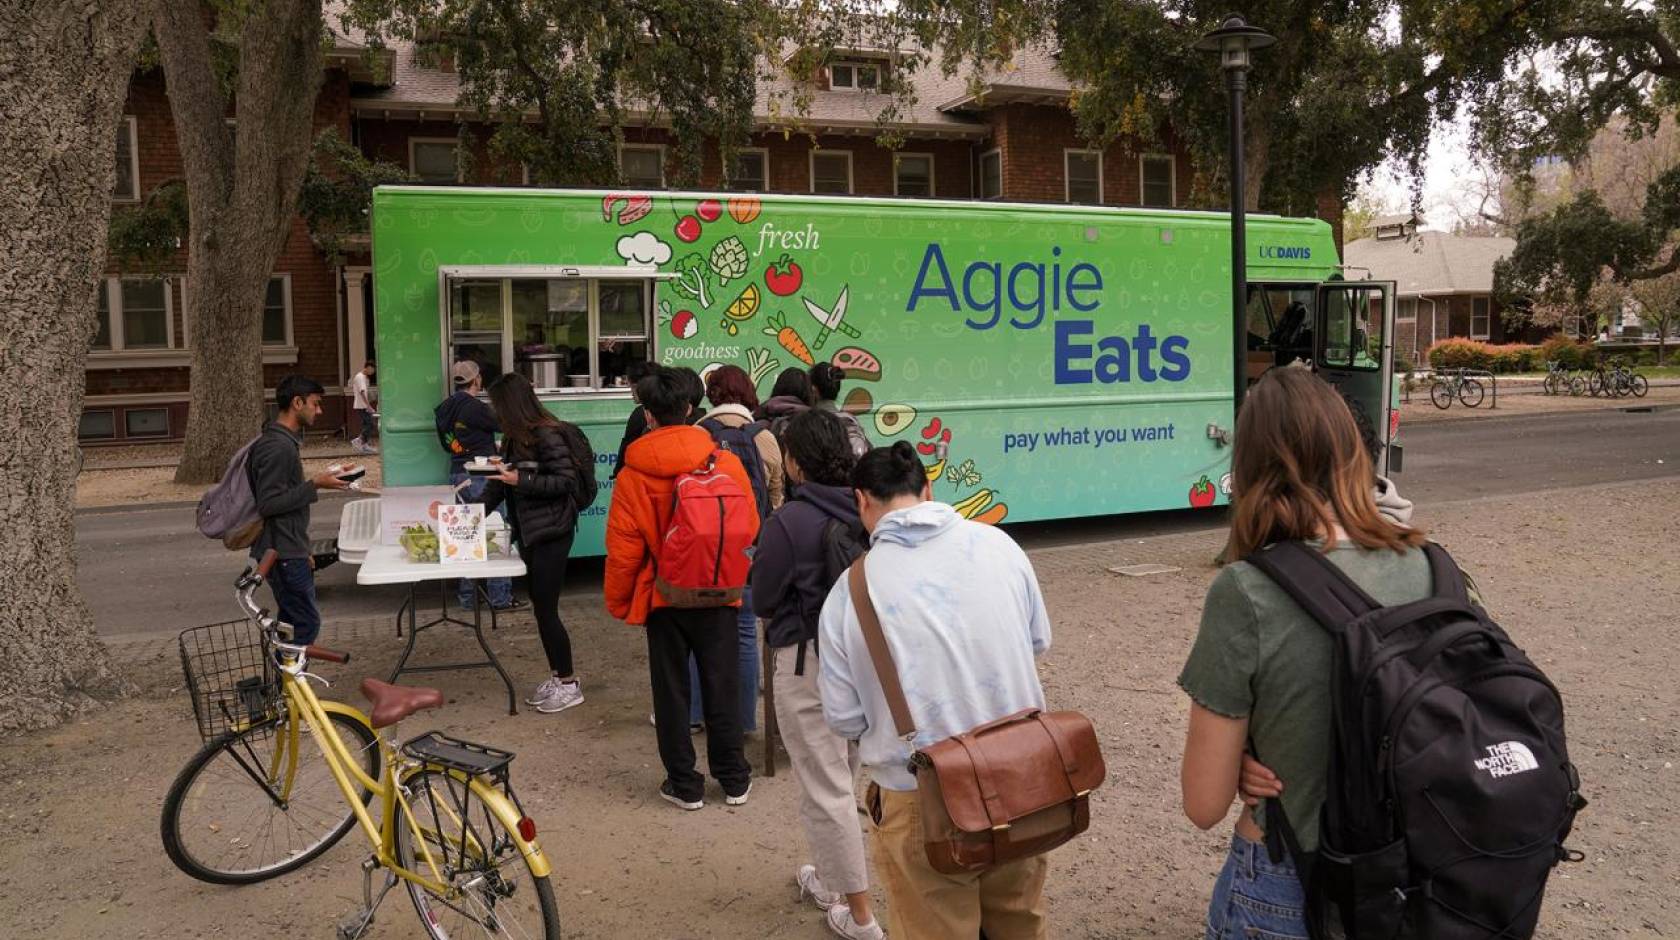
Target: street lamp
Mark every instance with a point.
(1234, 40)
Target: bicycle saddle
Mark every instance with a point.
(393, 703)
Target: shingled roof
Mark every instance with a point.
(1431, 262)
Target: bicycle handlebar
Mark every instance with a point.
(331, 656)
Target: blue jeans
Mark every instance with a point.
(501, 589)
(746, 626)
(1256, 898)
(293, 583)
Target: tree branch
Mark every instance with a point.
(195, 97)
(1655, 271)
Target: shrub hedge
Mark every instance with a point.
(1471, 354)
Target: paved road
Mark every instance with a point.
(149, 570)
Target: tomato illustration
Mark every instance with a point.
(1202, 493)
(783, 276)
(688, 228)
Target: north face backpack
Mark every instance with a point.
(228, 510)
(843, 542)
(707, 550)
(743, 443)
(1450, 790)
(583, 458)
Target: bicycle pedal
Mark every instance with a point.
(352, 925)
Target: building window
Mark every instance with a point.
(991, 174)
(1406, 309)
(1158, 184)
(277, 312)
(1479, 318)
(1084, 176)
(144, 314)
(752, 171)
(913, 174)
(859, 76)
(102, 329)
(565, 334)
(97, 426)
(642, 167)
(831, 172)
(146, 422)
(434, 160)
(128, 162)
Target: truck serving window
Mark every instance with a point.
(567, 334)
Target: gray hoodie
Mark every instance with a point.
(1390, 503)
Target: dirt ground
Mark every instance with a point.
(1420, 410)
(84, 858)
(109, 477)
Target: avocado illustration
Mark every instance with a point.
(893, 419)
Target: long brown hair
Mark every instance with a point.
(518, 411)
(1299, 469)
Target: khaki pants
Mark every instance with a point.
(1007, 902)
(825, 765)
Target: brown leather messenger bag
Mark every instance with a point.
(1006, 790)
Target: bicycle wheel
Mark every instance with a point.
(223, 822)
(1640, 385)
(1471, 393)
(1441, 394)
(1550, 386)
(1595, 383)
(1577, 387)
(493, 892)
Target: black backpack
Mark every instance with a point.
(742, 443)
(842, 543)
(583, 457)
(1450, 790)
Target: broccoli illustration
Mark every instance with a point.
(692, 275)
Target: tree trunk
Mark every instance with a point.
(242, 187)
(64, 69)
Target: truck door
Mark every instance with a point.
(1353, 348)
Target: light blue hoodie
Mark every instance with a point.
(964, 617)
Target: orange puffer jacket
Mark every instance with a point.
(642, 503)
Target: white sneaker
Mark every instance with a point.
(739, 799)
(812, 887)
(563, 696)
(841, 923)
(543, 691)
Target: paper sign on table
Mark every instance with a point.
(461, 533)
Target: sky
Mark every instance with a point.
(1449, 173)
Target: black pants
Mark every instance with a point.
(545, 567)
(709, 633)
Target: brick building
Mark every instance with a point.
(1012, 140)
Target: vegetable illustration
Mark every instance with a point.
(934, 435)
(992, 516)
(760, 364)
(963, 474)
(709, 210)
(691, 279)
(683, 323)
(741, 309)
(981, 508)
(729, 259)
(783, 276)
(688, 228)
(744, 209)
(1202, 493)
(893, 419)
(635, 207)
(789, 339)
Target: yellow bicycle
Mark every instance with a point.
(250, 805)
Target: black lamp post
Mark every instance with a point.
(1233, 40)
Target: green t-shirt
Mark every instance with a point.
(1260, 656)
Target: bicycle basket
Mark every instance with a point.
(230, 676)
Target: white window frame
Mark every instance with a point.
(1487, 318)
(454, 142)
(854, 65)
(933, 185)
(657, 148)
(131, 124)
(980, 188)
(811, 167)
(1067, 173)
(763, 152)
(114, 310)
(286, 302)
(1172, 178)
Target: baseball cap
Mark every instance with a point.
(464, 372)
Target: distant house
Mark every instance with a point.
(1444, 284)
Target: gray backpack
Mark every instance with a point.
(228, 510)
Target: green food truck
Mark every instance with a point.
(1047, 361)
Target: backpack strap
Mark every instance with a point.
(1313, 581)
(1445, 575)
(879, 653)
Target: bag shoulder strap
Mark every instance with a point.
(879, 653)
(1313, 581)
(1445, 575)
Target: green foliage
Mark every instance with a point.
(145, 237)
(1571, 353)
(1470, 354)
(337, 192)
(1562, 254)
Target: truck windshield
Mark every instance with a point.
(1353, 329)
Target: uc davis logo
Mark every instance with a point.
(1504, 760)
(1284, 252)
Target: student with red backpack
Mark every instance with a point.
(679, 534)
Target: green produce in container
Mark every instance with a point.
(420, 542)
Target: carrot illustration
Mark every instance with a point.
(789, 338)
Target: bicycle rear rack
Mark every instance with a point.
(476, 760)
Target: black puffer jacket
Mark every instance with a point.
(544, 503)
